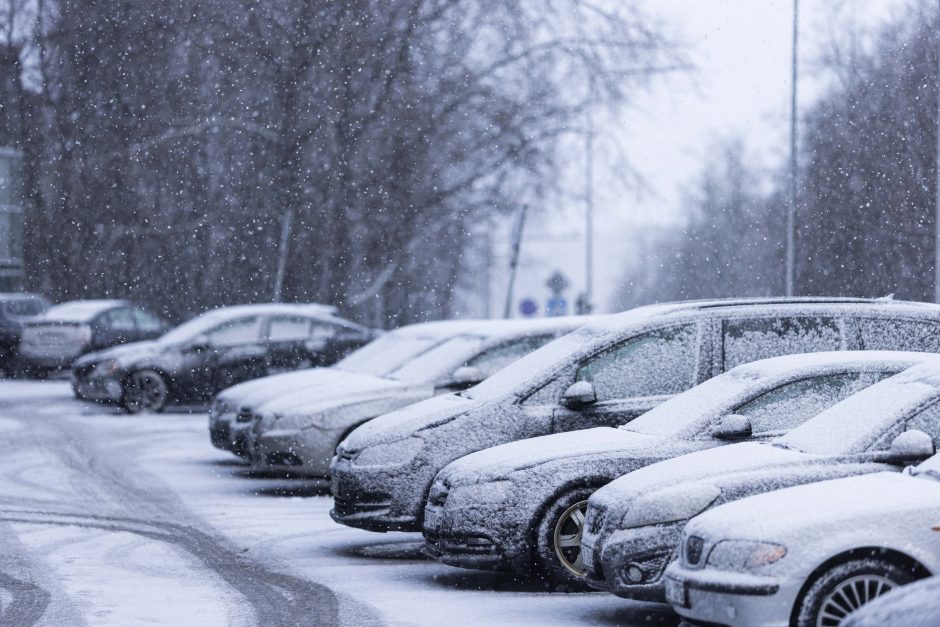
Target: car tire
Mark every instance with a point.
(144, 391)
(558, 558)
(846, 587)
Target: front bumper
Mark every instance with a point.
(643, 553)
(89, 387)
(365, 496)
(461, 547)
(729, 598)
(303, 452)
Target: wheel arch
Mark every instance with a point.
(898, 558)
(164, 374)
(581, 483)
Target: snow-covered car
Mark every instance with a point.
(61, 334)
(16, 309)
(298, 433)
(913, 605)
(522, 504)
(633, 525)
(605, 374)
(213, 351)
(232, 412)
(810, 555)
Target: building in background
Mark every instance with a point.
(12, 201)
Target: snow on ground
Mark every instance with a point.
(123, 520)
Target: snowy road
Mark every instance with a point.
(109, 519)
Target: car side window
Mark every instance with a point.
(928, 421)
(657, 363)
(147, 322)
(750, 339)
(121, 319)
(322, 331)
(788, 406)
(498, 357)
(288, 329)
(234, 332)
(899, 334)
(550, 393)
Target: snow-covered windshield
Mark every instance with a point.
(438, 363)
(387, 353)
(855, 424)
(683, 415)
(192, 328)
(523, 372)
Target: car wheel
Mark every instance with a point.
(844, 588)
(144, 390)
(559, 561)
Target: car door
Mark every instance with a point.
(287, 340)
(235, 352)
(634, 376)
(113, 327)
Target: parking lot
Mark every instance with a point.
(112, 519)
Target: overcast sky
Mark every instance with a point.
(741, 50)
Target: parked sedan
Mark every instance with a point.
(213, 351)
(523, 503)
(810, 555)
(232, 413)
(913, 605)
(55, 339)
(605, 374)
(298, 433)
(633, 526)
(16, 309)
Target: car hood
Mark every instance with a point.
(800, 512)
(500, 461)
(124, 354)
(698, 467)
(405, 422)
(257, 391)
(344, 401)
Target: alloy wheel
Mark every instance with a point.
(567, 538)
(850, 595)
(147, 391)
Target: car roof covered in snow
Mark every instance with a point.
(497, 328)
(79, 310)
(854, 424)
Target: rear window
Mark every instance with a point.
(20, 308)
(899, 334)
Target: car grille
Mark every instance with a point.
(244, 415)
(693, 550)
(351, 505)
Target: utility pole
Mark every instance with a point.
(514, 258)
(282, 255)
(791, 204)
(936, 262)
(589, 204)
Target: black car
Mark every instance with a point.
(16, 309)
(214, 351)
(55, 339)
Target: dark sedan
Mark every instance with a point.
(16, 309)
(214, 351)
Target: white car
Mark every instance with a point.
(809, 555)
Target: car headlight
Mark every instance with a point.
(736, 555)
(107, 368)
(399, 452)
(670, 505)
(479, 494)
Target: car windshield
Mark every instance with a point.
(520, 374)
(441, 361)
(928, 469)
(684, 414)
(853, 425)
(387, 353)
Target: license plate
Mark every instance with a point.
(432, 518)
(676, 592)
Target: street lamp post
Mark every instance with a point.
(791, 203)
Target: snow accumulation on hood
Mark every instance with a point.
(501, 460)
(78, 310)
(344, 389)
(256, 391)
(684, 414)
(402, 424)
(914, 605)
(696, 466)
(852, 425)
(797, 511)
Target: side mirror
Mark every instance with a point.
(732, 427)
(579, 394)
(467, 376)
(198, 343)
(910, 446)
